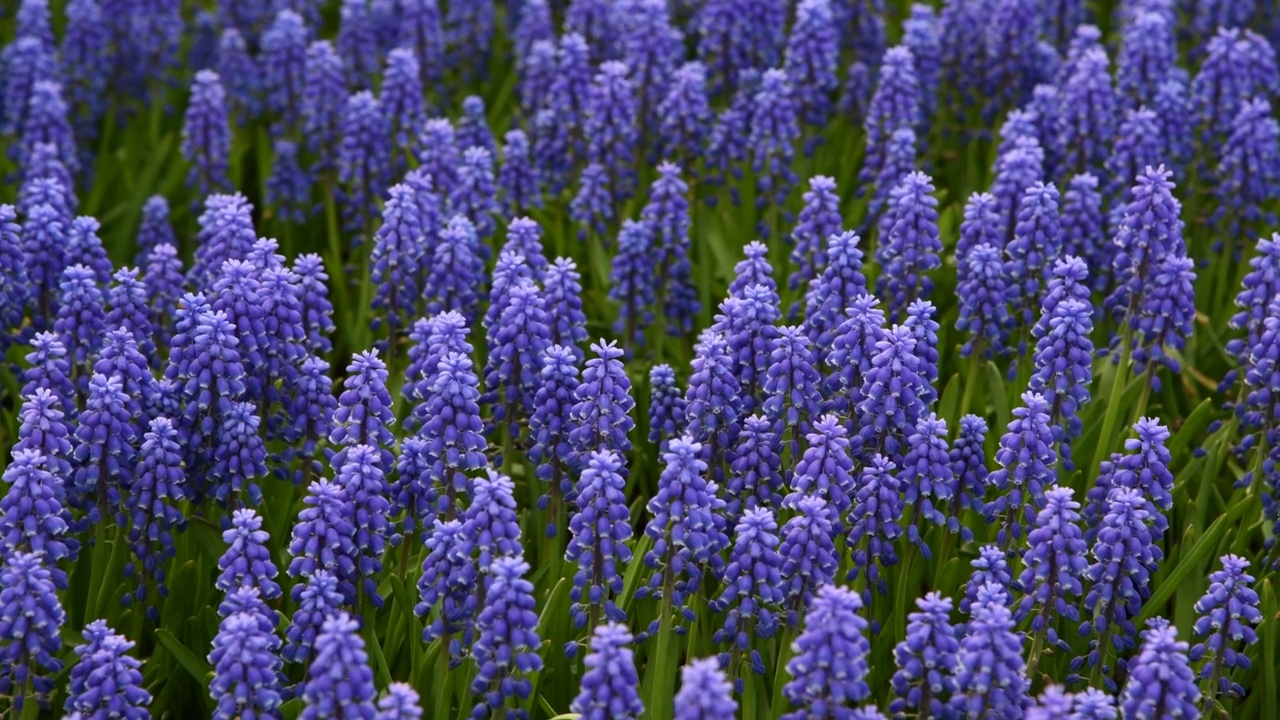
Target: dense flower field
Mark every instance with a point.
(685, 359)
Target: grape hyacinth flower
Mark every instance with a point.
(984, 306)
(892, 395)
(27, 60)
(361, 478)
(808, 555)
(990, 570)
(1161, 682)
(1036, 243)
(44, 238)
(518, 177)
(705, 693)
(926, 659)
(402, 99)
(926, 478)
(685, 114)
(324, 539)
(452, 429)
(829, 668)
(909, 243)
(604, 403)
(792, 395)
(506, 647)
(247, 560)
(449, 580)
(611, 128)
(364, 413)
(667, 409)
(323, 99)
(753, 591)
(875, 524)
(819, 220)
(206, 134)
(85, 63)
(475, 194)
(1124, 559)
(240, 457)
(1027, 467)
(991, 681)
(713, 403)
(358, 42)
(164, 281)
(687, 527)
(80, 322)
(288, 186)
(1227, 614)
(240, 75)
(1248, 170)
(226, 233)
(1054, 566)
(1009, 51)
(284, 64)
(562, 286)
(246, 669)
(1148, 55)
(15, 287)
(129, 311)
(30, 620)
(152, 505)
(1151, 229)
(339, 681)
(755, 478)
(106, 444)
(773, 130)
(84, 244)
(1018, 167)
(364, 159)
(921, 35)
(317, 598)
(48, 369)
(1166, 317)
(667, 217)
(610, 685)
(45, 123)
(895, 104)
(812, 53)
(312, 413)
(456, 270)
(549, 427)
(105, 680)
(397, 259)
(1082, 229)
(32, 513)
(399, 703)
(468, 33)
(520, 337)
(44, 429)
(1063, 369)
(422, 32)
(1238, 65)
(600, 530)
(1138, 145)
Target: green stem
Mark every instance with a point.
(970, 381)
(1113, 403)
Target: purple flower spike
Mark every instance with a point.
(105, 681)
(33, 514)
(323, 99)
(685, 114)
(829, 668)
(475, 195)
(990, 570)
(206, 134)
(30, 620)
(518, 177)
(808, 555)
(892, 395)
(909, 243)
(339, 681)
(1148, 56)
(45, 122)
(687, 527)
(1249, 169)
(600, 530)
(895, 105)
(875, 524)
(317, 598)
(153, 503)
(449, 580)
(926, 658)
(226, 233)
(1054, 566)
(773, 131)
(397, 260)
(520, 337)
(1228, 612)
(984, 306)
(362, 482)
(284, 64)
(364, 158)
(705, 693)
(550, 426)
(1124, 559)
(1238, 65)
(1027, 467)
(611, 128)
(364, 413)
(506, 648)
(402, 98)
(991, 681)
(755, 478)
(106, 445)
(422, 32)
(1037, 240)
(247, 668)
(1151, 229)
(812, 54)
(247, 560)
(610, 686)
(317, 311)
(27, 60)
(713, 403)
(44, 429)
(81, 320)
(1161, 682)
(324, 539)
(753, 592)
(1063, 368)
(604, 403)
(452, 429)
(819, 219)
(399, 703)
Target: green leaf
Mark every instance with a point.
(194, 664)
(1191, 563)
